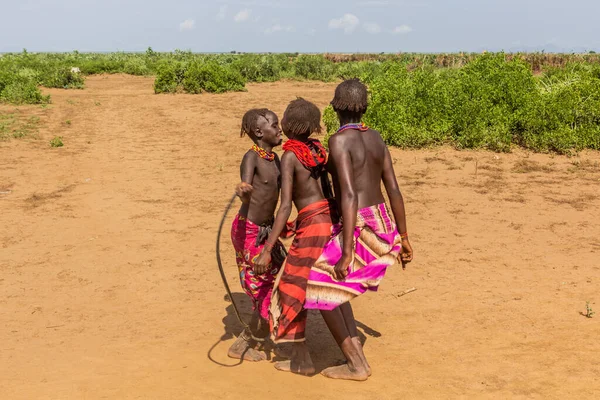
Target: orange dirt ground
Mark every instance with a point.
(110, 289)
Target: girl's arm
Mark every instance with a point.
(393, 191)
(397, 203)
(244, 188)
(288, 162)
(342, 161)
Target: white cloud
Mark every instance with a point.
(243, 15)
(372, 27)
(222, 12)
(279, 28)
(401, 30)
(187, 25)
(348, 22)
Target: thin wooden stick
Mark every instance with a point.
(406, 292)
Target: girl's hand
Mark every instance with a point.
(340, 271)
(406, 255)
(244, 192)
(262, 262)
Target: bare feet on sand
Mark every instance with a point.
(246, 349)
(361, 353)
(282, 353)
(300, 362)
(347, 372)
(356, 368)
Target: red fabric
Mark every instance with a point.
(289, 230)
(288, 316)
(311, 154)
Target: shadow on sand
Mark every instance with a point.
(323, 348)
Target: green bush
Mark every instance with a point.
(22, 91)
(331, 122)
(63, 78)
(493, 102)
(567, 113)
(314, 68)
(490, 99)
(366, 71)
(136, 66)
(261, 67)
(57, 142)
(410, 109)
(212, 77)
(169, 76)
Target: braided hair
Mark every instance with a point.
(301, 117)
(350, 96)
(250, 121)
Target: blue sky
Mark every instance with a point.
(304, 26)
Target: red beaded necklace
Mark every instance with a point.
(269, 156)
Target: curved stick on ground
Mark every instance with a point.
(220, 264)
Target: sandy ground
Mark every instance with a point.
(109, 286)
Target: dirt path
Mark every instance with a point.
(109, 286)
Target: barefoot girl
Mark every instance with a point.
(259, 192)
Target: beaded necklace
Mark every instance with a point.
(358, 126)
(269, 156)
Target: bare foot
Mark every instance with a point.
(300, 363)
(300, 369)
(282, 353)
(243, 349)
(345, 372)
(361, 354)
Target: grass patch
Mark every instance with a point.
(57, 142)
(11, 126)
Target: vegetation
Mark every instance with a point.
(493, 102)
(12, 126)
(589, 313)
(56, 142)
(543, 102)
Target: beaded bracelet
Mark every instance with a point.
(404, 235)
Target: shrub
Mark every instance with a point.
(212, 77)
(314, 68)
(566, 114)
(261, 68)
(491, 96)
(57, 142)
(64, 78)
(169, 76)
(23, 91)
(409, 109)
(331, 122)
(136, 66)
(366, 71)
